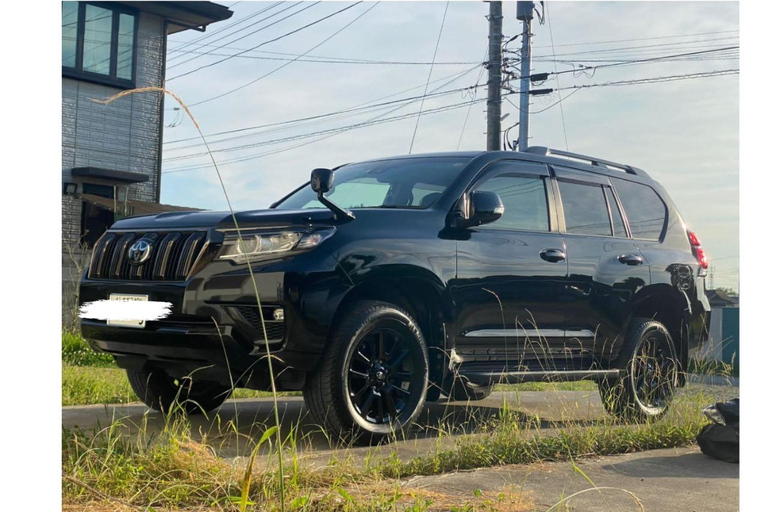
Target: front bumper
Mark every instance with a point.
(214, 319)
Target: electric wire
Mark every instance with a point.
(429, 76)
(196, 42)
(283, 36)
(451, 78)
(265, 75)
(376, 118)
(557, 76)
(224, 45)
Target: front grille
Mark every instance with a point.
(251, 315)
(171, 258)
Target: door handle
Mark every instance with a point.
(552, 255)
(631, 259)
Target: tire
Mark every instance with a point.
(162, 393)
(648, 381)
(372, 382)
(462, 390)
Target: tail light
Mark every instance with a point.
(698, 251)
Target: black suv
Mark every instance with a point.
(408, 278)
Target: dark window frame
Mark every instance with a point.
(113, 80)
(587, 183)
(507, 168)
(628, 225)
(608, 191)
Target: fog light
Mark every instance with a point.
(278, 314)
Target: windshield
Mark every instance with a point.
(402, 183)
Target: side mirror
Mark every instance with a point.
(484, 208)
(321, 180)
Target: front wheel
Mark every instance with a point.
(647, 386)
(372, 381)
(163, 393)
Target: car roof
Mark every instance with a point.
(543, 155)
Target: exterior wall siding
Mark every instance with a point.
(124, 135)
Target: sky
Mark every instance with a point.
(685, 133)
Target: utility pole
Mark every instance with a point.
(493, 132)
(525, 14)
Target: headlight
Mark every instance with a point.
(263, 245)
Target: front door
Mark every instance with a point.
(511, 274)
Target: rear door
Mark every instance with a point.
(605, 267)
(511, 274)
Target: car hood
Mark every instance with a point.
(223, 220)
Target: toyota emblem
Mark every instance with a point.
(139, 252)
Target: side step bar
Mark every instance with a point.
(496, 376)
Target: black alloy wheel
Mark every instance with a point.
(653, 373)
(372, 382)
(648, 381)
(379, 376)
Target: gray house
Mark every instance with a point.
(111, 155)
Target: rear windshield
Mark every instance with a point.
(402, 183)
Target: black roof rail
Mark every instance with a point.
(598, 162)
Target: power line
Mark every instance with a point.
(359, 110)
(638, 81)
(429, 76)
(469, 108)
(229, 26)
(343, 130)
(287, 63)
(645, 38)
(224, 45)
(320, 20)
(451, 78)
(363, 124)
(557, 76)
(642, 61)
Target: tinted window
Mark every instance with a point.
(525, 202)
(644, 209)
(618, 224)
(585, 209)
(401, 183)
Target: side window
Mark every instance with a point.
(645, 210)
(618, 224)
(586, 212)
(525, 202)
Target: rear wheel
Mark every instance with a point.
(161, 392)
(372, 381)
(647, 386)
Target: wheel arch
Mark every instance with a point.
(671, 308)
(422, 295)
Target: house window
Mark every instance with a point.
(98, 42)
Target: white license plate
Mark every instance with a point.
(137, 324)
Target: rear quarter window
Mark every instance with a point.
(645, 211)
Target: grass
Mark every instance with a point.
(75, 351)
(84, 385)
(174, 469)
